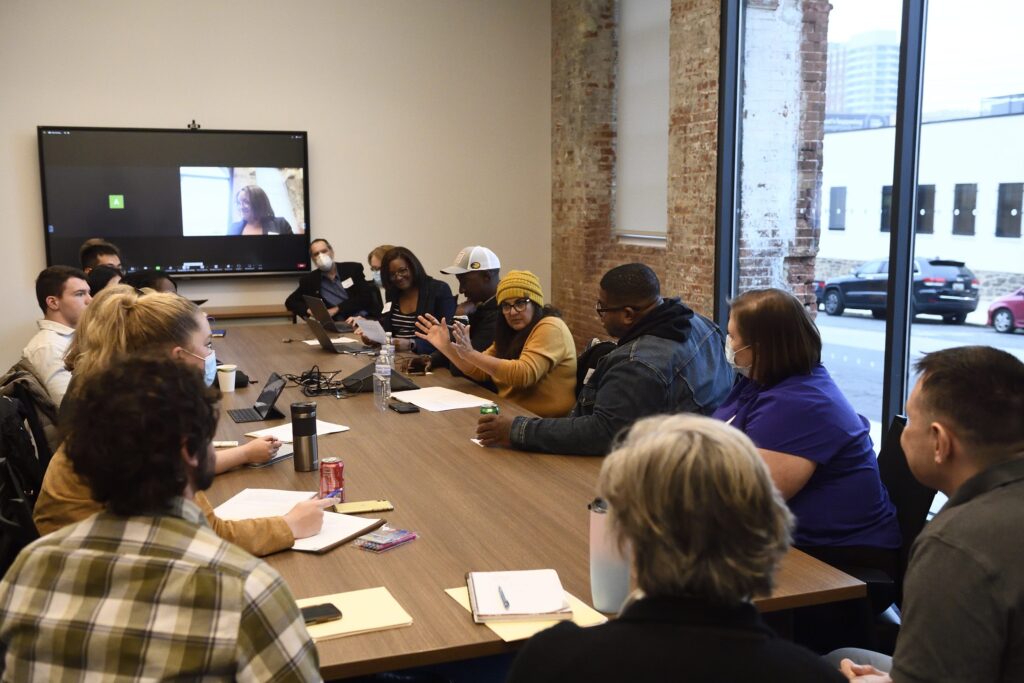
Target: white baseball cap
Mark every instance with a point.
(473, 258)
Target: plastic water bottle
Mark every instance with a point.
(390, 346)
(382, 378)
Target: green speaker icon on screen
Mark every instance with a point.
(116, 201)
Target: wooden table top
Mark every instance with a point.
(241, 312)
(476, 509)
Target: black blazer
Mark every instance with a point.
(363, 295)
(669, 639)
(435, 297)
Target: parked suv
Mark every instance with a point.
(941, 287)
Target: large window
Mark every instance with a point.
(955, 236)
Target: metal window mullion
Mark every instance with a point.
(904, 207)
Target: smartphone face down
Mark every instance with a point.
(400, 407)
(318, 614)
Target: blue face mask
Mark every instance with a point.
(376, 278)
(209, 366)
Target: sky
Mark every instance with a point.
(972, 49)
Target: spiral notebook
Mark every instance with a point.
(517, 595)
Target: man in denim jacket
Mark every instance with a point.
(668, 360)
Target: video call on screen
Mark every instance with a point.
(178, 201)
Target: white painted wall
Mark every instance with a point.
(429, 122)
(986, 151)
(771, 130)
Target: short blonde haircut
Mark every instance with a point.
(120, 320)
(693, 499)
(378, 253)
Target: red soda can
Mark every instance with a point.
(332, 479)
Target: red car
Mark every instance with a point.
(1007, 312)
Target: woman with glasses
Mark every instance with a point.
(533, 358)
(121, 321)
(412, 293)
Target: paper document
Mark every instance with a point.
(439, 398)
(372, 329)
(284, 432)
(371, 609)
(339, 340)
(511, 631)
(337, 528)
(284, 452)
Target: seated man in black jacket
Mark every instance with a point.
(342, 286)
(478, 271)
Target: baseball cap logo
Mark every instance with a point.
(475, 265)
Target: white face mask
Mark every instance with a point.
(324, 262)
(730, 357)
(376, 278)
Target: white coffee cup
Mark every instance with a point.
(609, 570)
(226, 377)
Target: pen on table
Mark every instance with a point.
(504, 600)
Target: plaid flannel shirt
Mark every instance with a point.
(148, 597)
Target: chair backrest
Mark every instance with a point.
(21, 476)
(587, 361)
(911, 498)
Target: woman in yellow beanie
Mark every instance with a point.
(533, 358)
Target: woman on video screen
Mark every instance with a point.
(257, 214)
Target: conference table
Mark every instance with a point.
(475, 509)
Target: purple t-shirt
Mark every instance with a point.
(844, 502)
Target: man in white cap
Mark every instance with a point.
(478, 271)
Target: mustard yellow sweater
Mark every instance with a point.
(65, 499)
(543, 378)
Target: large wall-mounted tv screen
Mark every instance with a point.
(181, 201)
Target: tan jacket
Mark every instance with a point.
(65, 499)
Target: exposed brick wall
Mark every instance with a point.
(584, 53)
(783, 116)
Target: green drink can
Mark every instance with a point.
(489, 409)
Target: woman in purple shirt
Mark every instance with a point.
(817, 447)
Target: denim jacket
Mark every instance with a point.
(648, 375)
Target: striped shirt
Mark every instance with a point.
(148, 597)
(403, 325)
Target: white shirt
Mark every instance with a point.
(45, 352)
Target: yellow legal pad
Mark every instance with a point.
(509, 631)
(370, 609)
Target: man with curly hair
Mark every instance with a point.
(145, 589)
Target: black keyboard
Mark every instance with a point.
(245, 415)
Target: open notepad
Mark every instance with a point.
(337, 528)
(517, 595)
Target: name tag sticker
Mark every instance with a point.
(347, 283)
(589, 373)
(387, 307)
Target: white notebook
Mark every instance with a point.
(337, 528)
(517, 595)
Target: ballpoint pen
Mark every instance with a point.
(504, 600)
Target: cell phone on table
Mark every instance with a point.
(403, 407)
(318, 614)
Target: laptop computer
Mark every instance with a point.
(327, 345)
(264, 406)
(318, 308)
(362, 381)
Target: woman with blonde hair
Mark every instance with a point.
(693, 502)
(120, 321)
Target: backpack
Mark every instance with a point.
(21, 476)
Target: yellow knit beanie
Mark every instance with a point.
(520, 284)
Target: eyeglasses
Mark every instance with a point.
(401, 272)
(601, 309)
(518, 304)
